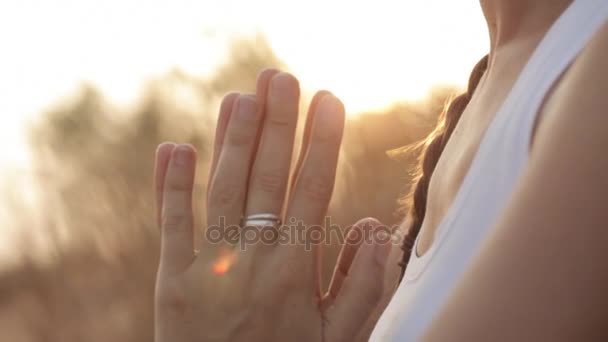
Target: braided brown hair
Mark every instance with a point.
(430, 151)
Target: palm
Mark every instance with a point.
(270, 290)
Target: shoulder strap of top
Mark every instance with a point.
(559, 48)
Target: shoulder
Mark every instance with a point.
(539, 275)
(577, 107)
(591, 67)
(584, 84)
(571, 139)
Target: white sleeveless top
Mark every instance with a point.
(492, 176)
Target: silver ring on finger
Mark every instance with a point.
(261, 220)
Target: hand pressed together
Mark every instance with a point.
(272, 291)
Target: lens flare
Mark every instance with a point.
(224, 262)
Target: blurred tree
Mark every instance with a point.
(94, 164)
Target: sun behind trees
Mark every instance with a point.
(97, 204)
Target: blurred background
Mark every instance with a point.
(89, 88)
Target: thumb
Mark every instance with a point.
(362, 287)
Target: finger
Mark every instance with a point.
(177, 240)
(271, 167)
(312, 109)
(313, 188)
(262, 85)
(361, 289)
(229, 186)
(355, 236)
(220, 130)
(163, 154)
(226, 109)
(314, 185)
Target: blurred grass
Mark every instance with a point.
(95, 211)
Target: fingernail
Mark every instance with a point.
(165, 144)
(285, 83)
(247, 107)
(183, 155)
(165, 149)
(330, 117)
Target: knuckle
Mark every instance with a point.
(279, 121)
(173, 302)
(243, 138)
(328, 139)
(175, 221)
(317, 189)
(289, 272)
(287, 280)
(178, 185)
(225, 194)
(273, 183)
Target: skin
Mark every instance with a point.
(539, 277)
(536, 278)
(516, 27)
(272, 292)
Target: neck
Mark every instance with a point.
(511, 21)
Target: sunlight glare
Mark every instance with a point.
(370, 54)
(224, 262)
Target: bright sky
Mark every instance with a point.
(370, 53)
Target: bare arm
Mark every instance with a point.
(543, 274)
